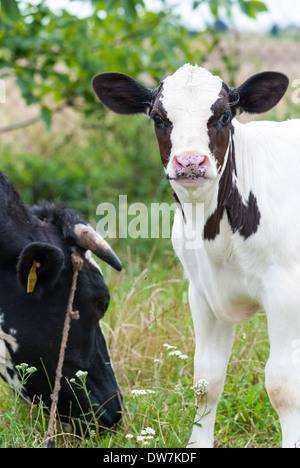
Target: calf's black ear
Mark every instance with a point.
(39, 266)
(121, 93)
(261, 92)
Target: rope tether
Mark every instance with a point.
(77, 263)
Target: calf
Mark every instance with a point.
(35, 281)
(248, 255)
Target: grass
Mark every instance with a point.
(149, 308)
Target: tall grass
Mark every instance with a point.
(148, 310)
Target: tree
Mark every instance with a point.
(248, 7)
(54, 55)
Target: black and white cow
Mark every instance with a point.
(39, 242)
(246, 176)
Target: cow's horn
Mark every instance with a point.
(89, 239)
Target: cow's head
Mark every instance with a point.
(192, 111)
(35, 281)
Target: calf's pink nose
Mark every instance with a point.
(190, 165)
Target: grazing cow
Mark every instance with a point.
(35, 281)
(248, 258)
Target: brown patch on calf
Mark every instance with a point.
(219, 133)
(163, 133)
(242, 217)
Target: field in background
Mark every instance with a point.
(86, 162)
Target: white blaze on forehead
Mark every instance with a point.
(187, 97)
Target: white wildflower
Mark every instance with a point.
(141, 391)
(143, 439)
(129, 436)
(175, 353)
(200, 387)
(167, 346)
(148, 430)
(138, 392)
(22, 367)
(81, 375)
(183, 356)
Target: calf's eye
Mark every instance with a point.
(226, 117)
(158, 120)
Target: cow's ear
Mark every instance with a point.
(39, 266)
(261, 92)
(121, 93)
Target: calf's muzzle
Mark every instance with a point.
(190, 165)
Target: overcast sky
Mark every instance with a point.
(281, 12)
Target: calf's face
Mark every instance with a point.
(192, 111)
(189, 121)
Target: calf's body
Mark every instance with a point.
(248, 257)
(232, 278)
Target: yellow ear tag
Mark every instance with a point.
(32, 277)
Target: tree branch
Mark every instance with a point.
(27, 122)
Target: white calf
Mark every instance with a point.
(248, 178)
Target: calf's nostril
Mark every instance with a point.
(177, 163)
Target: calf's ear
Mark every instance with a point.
(261, 92)
(121, 93)
(39, 266)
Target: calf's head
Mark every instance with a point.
(39, 243)
(192, 111)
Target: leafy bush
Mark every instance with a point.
(110, 161)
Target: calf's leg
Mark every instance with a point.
(214, 340)
(283, 375)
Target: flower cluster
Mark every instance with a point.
(200, 387)
(138, 392)
(146, 434)
(175, 351)
(24, 372)
(81, 375)
(24, 368)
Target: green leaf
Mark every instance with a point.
(129, 7)
(252, 7)
(10, 9)
(258, 6)
(24, 87)
(46, 116)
